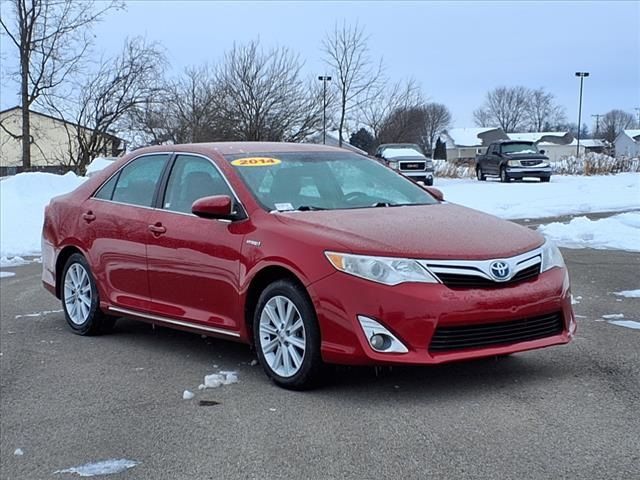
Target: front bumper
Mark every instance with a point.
(413, 311)
(424, 174)
(521, 172)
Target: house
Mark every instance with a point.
(464, 143)
(627, 143)
(332, 139)
(554, 144)
(52, 140)
(593, 145)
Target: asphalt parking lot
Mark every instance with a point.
(565, 412)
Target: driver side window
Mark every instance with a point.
(192, 178)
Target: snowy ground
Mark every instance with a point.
(24, 196)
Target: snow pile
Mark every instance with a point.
(98, 164)
(12, 262)
(626, 323)
(564, 195)
(187, 395)
(18, 452)
(22, 201)
(620, 232)
(6, 274)
(105, 467)
(628, 293)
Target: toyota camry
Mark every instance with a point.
(314, 255)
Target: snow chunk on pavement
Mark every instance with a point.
(626, 323)
(104, 467)
(6, 274)
(620, 232)
(187, 395)
(12, 261)
(223, 377)
(18, 452)
(22, 201)
(613, 315)
(628, 293)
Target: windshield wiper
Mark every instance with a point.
(306, 208)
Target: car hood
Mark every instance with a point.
(439, 231)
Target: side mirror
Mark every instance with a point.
(217, 206)
(436, 193)
(541, 152)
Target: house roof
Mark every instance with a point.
(471, 137)
(545, 138)
(332, 139)
(58, 119)
(633, 134)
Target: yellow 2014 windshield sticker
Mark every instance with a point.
(255, 162)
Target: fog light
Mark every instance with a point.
(380, 339)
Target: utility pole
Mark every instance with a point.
(582, 76)
(324, 79)
(597, 115)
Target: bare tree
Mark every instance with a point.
(505, 107)
(263, 96)
(118, 87)
(542, 111)
(614, 122)
(399, 96)
(357, 78)
(404, 125)
(52, 38)
(437, 118)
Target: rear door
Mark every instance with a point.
(194, 262)
(117, 218)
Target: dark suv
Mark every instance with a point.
(408, 159)
(513, 160)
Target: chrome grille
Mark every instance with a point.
(413, 166)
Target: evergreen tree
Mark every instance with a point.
(440, 152)
(363, 140)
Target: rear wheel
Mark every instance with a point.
(287, 337)
(545, 179)
(480, 174)
(80, 300)
(504, 178)
(429, 182)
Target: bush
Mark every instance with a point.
(595, 164)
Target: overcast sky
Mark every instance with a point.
(456, 51)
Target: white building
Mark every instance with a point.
(465, 143)
(627, 143)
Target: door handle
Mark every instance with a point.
(157, 229)
(89, 216)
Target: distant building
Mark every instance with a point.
(50, 141)
(465, 143)
(555, 144)
(627, 143)
(333, 139)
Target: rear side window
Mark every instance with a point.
(106, 191)
(136, 183)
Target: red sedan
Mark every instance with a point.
(313, 254)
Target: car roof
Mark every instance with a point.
(234, 148)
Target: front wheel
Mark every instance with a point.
(80, 300)
(287, 337)
(545, 179)
(429, 182)
(504, 178)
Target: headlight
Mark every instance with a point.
(393, 165)
(544, 164)
(551, 256)
(386, 270)
(514, 163)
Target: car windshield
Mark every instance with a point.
(515, 148)
(324, 181)
(393, 152)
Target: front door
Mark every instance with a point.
(193, 262)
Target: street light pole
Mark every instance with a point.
(582, 75)
(324, 79)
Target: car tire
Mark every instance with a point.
(428, 182)
(480, 174)
(504, 178)
(286, 336)
(80, 299)
(545, 179)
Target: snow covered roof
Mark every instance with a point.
(545, 138)
(471, 137)
(634, 134)
(393, 152)
(592, 143)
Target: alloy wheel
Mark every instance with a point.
(282, 336)
(77, 294)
